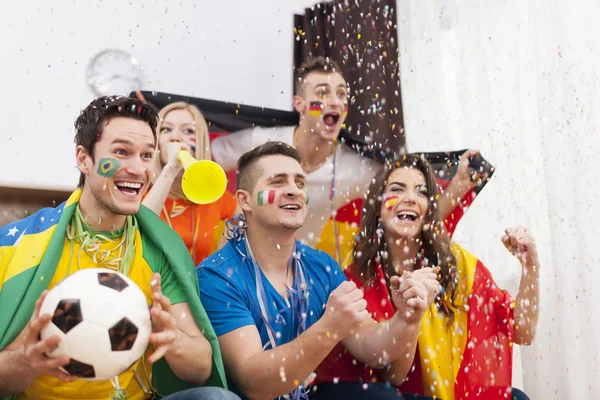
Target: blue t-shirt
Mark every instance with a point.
(228, 292)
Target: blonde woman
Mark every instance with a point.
(182, 126)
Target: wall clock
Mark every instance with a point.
(114, 72)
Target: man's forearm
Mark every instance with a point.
(13, 379)
(226, 150)
(191, 359)
(273, 373)
(451, 196)
(380, 344)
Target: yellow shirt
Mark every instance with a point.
(47, 387)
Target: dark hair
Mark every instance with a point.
(248, 171)
(317, 64)
(371, 246)
(91, 120)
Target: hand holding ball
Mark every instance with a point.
(103, 320)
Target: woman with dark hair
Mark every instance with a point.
(464, 346)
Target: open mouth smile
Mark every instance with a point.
(128, 188)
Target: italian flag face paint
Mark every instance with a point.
(390, 202)
(316, 108)
(266, 197)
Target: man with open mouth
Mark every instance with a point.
(102, 225)
(335, 173)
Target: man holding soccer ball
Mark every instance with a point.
(103, 226)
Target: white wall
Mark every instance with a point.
(230, 50)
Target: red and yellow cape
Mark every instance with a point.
(470, 359)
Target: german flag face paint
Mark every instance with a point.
(390, 202)
(108, 167)
(316, 108)
(345, 109)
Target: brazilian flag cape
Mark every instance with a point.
(30, 250)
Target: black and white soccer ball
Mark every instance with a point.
(103, 320)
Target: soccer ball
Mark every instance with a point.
(103, 320)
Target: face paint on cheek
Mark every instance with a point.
(193, 145)
(266, 197)
(390, 202)
(345, 109)
(316, 108)
(307, 199)
(108, 167)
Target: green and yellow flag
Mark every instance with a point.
(30, 250)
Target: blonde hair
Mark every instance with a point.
(202, 138)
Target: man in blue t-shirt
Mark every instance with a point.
(278, 306)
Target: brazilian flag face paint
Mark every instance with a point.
(108, 167)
